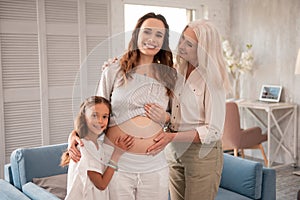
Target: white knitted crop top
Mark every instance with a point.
(128, 100)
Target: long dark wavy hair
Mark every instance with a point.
(164, 57)
(80, 123)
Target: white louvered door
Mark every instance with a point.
(42, 44)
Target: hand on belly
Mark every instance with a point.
(143, 129)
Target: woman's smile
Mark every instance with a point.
(150, 45)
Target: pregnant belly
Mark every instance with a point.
(142, 128)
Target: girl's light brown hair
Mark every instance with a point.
(80, 122)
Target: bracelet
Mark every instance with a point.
(113, 162)
(113, 165)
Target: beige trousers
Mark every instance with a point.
(194, 176)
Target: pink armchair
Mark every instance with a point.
(234, 138)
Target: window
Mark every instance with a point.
(177, 19)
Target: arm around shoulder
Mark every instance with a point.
(107, 80)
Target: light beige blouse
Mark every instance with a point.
(192, 107)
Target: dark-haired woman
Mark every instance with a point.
(143, 75)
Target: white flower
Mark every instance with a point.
(237, 64)
(227, 48)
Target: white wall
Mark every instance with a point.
(273, 27)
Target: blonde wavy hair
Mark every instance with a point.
(209, 53)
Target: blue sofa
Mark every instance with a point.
(9, 192)
(40, 164)
(245, 180)
(241, 179)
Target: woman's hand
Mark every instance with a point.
(73, 141)
(156, 113)
(161, 141)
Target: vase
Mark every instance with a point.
(236, 88)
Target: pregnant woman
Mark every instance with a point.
(144, 74)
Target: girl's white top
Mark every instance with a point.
(79, 185)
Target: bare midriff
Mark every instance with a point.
(142, 128)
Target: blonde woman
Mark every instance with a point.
(195, 152)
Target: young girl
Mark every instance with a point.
(88, 178)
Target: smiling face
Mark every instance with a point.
(187, 47)
(97, 118)
(151, 37)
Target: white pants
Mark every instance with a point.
(140, 186)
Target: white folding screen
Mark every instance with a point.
(42, 46)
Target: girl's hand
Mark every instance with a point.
(156, 113)
(73, 141)
(161, 140)
(109, 62)
(124, 143)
